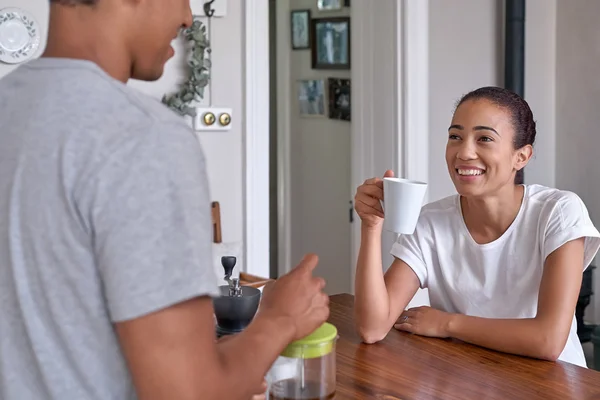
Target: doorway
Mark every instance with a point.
(310, 155)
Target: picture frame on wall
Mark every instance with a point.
(311, 97)
(330, 43)
(340, 100)
(300, 27)
(329, 5)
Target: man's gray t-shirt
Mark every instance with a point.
(104, 217)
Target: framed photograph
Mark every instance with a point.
(330, 39)
(339, 99)
(328, 5)
(311, 97)
(300, 29)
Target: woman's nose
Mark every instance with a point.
(466, 151)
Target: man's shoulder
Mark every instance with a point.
(84, 90)
(141, 109)
(151, 109)
(94, 118)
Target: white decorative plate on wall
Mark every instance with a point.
(19, 35)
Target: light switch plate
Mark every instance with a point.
(220, 7)
(213, 119)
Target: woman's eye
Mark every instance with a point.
(453, 137)
(486, 139)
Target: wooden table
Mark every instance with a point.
(406, 366)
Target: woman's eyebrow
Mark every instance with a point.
(477, 128)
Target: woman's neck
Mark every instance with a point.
(487, 218)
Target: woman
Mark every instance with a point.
(503, 261)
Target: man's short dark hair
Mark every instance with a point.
(75, 2)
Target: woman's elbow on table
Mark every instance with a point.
(546, 341)
(368, 328)
(551, 345)
(550, 356)
(370, 336)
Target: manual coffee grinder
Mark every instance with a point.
(236, 305)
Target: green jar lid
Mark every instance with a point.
(317, 344)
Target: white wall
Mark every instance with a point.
(389, 80)
(577, 116)
(464, 53)
(376, 77)
(540, 87)
(375, 119)
(223, 150)
(466, 40)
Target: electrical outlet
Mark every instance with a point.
(213, 119)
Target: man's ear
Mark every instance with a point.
(523, 156)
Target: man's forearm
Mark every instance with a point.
(247, 356)
(526, 337)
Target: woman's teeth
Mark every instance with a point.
(470, 171)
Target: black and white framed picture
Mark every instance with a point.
(311, 97)
(300, 29)
(339, 99)
(330, 47)
(329, 5)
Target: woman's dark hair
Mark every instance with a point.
(522, 117)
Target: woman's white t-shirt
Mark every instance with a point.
(500, 279)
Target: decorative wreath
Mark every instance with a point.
(193, 88)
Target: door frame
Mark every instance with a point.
(256, 137)
(284, 93)
(410, 98)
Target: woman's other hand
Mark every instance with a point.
(424, 321)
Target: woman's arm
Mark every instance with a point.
(379, 299)
(543, 336)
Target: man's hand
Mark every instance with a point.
(172, 353)
(298, 298)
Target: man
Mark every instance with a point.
(105, 231)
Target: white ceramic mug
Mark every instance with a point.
(402, 202)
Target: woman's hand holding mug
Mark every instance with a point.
(367, 201)
(402, 199)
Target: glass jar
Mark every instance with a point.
(306, 369)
